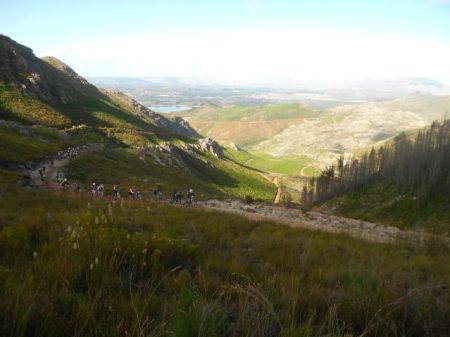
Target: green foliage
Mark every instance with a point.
(192, 317)
(25, 144)
(290, 165)
(382, 204)
(19, 107)
(248, 199)
(254, 113)
(101, 112)
(405, 182)
(71, 265)
(119, 166)
(311, 171)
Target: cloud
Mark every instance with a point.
(257, 55)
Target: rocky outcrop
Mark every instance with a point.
(234, 146)
(184, 156)
(210, 145)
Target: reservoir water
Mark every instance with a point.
(169, 108)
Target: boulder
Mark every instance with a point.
(210, 145)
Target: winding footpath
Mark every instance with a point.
(50, 172)
(319, 221)
(292, 217)
(302, 171)
(277, 182)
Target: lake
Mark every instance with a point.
(169, 108)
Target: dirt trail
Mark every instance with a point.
(277, 182)
(50, 172)
(58, 164)
(319, 221)
(302, 171)
(292, 216)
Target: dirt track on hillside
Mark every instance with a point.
(319, 221)
(293, 217)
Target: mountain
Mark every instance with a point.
(47, 79)
(282, 130)
(380, 89)
(246, 125)
(154, 91)
(72, 263)
(342, 131)
(57, 90)
(427, 106)
(46, 107)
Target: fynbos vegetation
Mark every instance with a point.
(71, 266)
(418, 166)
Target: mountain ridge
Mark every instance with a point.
(57, 85)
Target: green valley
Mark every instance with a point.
(221, 221)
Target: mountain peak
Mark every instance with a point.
(60, 65)
(48, 79)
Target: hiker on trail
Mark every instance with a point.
(64, 183)
(174, 196)
(100, 190)
(77, 187)
(155, 194)
(190, 196)
(43, 176)
(94, 190)
(137, 195)
(131, 193)
(116, 192)
(178, 198)
(26, 179)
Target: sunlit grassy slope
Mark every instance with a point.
(383, 204)
(72, 265)
(119, 165)
(247, 126)
(19, 107)
(16, 147)
(289, 165)
(108, 120)
(251, 113)
(125, 168)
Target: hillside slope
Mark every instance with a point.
(246, 125)
(49, 92)
(321, 136)
(406, 182)
(342, 131)
(46, 107)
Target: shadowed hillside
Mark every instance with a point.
(46, 107)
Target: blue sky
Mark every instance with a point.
(223, 38)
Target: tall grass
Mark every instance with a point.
(71, 265)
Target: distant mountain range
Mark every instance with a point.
(319, 134)
(196, 91)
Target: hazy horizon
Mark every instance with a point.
(240, 41)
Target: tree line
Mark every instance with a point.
(417, 165)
